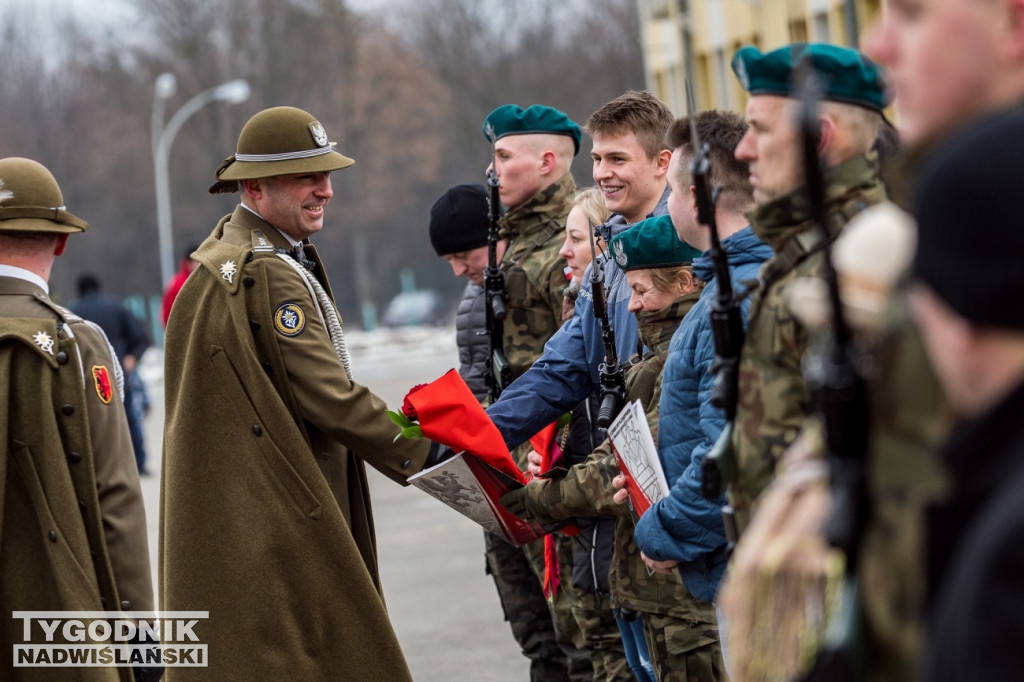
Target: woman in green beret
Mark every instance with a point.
(667, 633)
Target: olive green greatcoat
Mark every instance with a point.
(73, 524)
(266, 519)
(773, 401)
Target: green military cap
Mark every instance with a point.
(279, 141)
(848, 75)
(511, 119)
(31, 200)
(651, 243)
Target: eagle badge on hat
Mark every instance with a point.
(620, 255)
(289, 320)
(44, 341)
(101, 380)
(319, 134)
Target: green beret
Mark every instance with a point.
(510, 119)
(651, 243)
(849, 76)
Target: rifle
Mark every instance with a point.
(726, 325)
(841, 397)
(612, 378)
(499, 373)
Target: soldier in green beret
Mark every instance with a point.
(266, 517)
(663, 289)
(773, 401)
(74, 528)
(533, 151)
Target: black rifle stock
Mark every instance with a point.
(499, 373)
(841, 397)
(612, 378)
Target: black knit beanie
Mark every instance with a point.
(458, 220)
(971, 239)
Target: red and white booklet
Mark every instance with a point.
(472, 487)
(631, 440)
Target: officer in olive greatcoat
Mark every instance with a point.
(73, 528)
(266, 514)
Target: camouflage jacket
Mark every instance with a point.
(534, 272)
(772, 401)
(587, 488)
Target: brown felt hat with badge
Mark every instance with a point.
(31, 200)
(279, 141)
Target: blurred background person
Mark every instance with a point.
(129, 340)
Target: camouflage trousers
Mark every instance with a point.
(568, 635)
(526, 609)
(680, 650)
(598, 633)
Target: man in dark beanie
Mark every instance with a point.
(458, 233)
(967, 285)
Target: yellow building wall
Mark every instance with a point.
(717, 28)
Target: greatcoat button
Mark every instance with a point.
(68, 410)
(62, 358)
(406, 463)
(75, 457)
(257, 430)
(53, 536)
(126, 605)
(248, 281)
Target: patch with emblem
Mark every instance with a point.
(44, 341)
(319, 134)
(289, 319)
(228, 270)
(101, 380)
(620, 255)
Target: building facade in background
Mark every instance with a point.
(696, 39)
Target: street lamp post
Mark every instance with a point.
(234, 91)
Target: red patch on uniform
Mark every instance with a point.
(101, 379)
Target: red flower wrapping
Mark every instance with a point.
(449, 414)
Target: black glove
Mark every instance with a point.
(527, 502)
(437, 454)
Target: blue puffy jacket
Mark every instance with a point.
(567, 372)
(685, 526)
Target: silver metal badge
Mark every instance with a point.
(620, 255)
(319, 134)
(489, 131)
(44, 341)
(228, 270)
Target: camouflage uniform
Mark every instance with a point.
(534, 285)
(534, 272)
(682, 634)
(909, 419)
(772, 402)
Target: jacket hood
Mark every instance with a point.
(742, 248)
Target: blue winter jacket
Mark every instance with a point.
(684, 526)
(567, 372)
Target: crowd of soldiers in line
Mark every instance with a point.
(783, 293)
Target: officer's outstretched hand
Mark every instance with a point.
(437, 454)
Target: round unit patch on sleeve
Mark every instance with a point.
(101, 380)
(289, 320)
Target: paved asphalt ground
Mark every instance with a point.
(443, 607)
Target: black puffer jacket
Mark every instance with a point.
(471, 338)
(591, 557)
